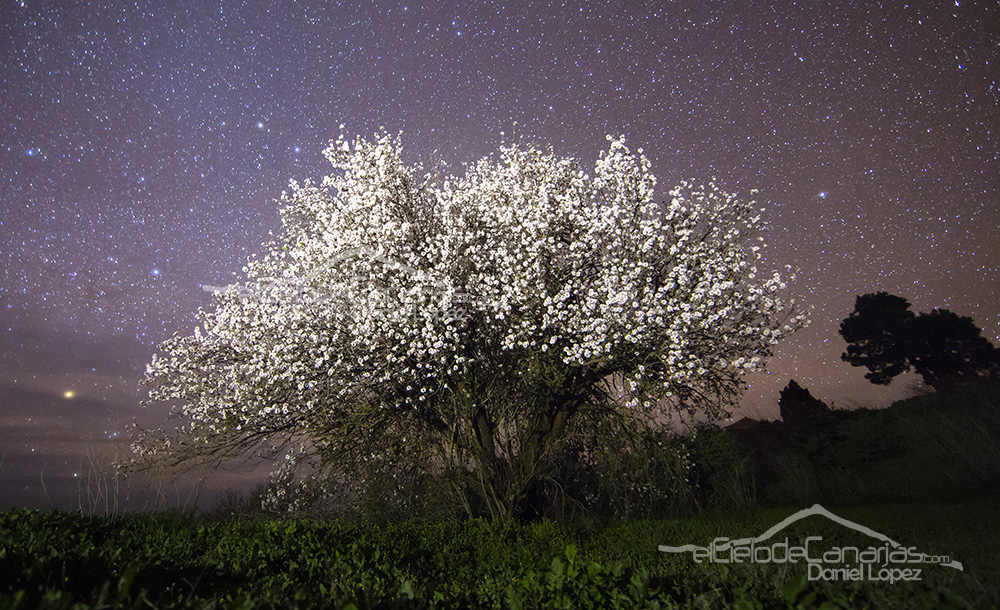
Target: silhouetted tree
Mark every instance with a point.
(883, 335)
(876, 336)
(947, 349)
(798, 406)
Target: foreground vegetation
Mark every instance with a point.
(58, 560)
(923, 472)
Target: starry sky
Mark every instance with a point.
(145, 144)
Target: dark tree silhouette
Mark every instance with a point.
(876, 335)
(945, 349)
(798, 406)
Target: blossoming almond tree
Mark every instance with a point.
(471, 324)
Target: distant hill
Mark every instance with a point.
(936, 446)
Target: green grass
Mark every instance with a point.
(924, 472)
(58, 560)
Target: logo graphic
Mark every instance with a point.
(886, 560)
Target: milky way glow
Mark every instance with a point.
(145, 145)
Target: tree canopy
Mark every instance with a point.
(883, 335)
(877, 336)
(405, 322)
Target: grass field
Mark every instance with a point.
(924, 473)
(59, 560)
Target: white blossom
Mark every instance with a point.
(394, 289)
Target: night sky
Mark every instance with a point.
(145, 144)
